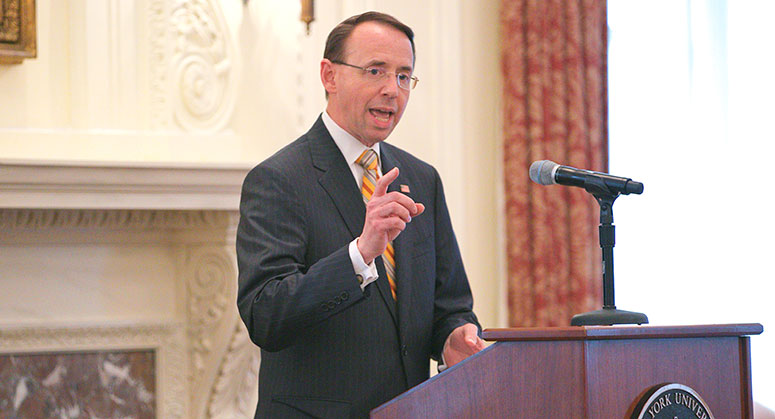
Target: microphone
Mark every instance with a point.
(547, 172)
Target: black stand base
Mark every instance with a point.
(607, 317)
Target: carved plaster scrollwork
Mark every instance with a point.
(195, 65)
(211, 285)
(235, 392)
(223, 361)
(43, 219)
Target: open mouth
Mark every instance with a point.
(381, 115)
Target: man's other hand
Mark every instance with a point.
(463, 342)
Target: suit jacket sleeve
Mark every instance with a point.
(453, 302)
(279, 295)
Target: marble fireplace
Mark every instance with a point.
(117, 292)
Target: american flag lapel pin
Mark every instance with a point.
(405, 189)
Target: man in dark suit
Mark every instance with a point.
(347, 301)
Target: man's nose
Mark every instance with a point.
(390, 85)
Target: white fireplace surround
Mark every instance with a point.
(120, 256)
(128, 186)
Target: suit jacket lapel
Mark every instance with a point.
(337, 180)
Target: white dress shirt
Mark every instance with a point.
(351, 149)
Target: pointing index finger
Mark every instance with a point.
(382, 184)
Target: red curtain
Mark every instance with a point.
(555, 108)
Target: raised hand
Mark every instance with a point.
(386, 217)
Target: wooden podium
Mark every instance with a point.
(587, 372)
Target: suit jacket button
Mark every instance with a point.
(331, 304)
(344, 295)
(324, 307)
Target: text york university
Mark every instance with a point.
(679, 398)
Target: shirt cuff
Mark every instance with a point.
(366, 274)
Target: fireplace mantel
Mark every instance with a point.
(120, 185)
(92, 253)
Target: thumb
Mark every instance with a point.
(471, 336)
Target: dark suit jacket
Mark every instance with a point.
(328, 348)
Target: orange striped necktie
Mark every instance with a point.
(369, 160)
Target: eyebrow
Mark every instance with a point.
(382, 63)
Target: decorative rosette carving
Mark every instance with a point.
(203, 69)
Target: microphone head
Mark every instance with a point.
(542, 172)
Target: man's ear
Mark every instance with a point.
(327, 73)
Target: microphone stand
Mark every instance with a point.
(609, 314)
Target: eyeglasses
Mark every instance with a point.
(375, 74)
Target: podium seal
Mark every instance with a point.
(671, 401)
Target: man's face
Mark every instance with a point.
(369, 110)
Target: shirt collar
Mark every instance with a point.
(350, 147)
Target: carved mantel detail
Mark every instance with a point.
(195, 62)
(44, 219)
(235, 392)
(179, 225)
(210, 350)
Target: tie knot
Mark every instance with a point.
(368, 159)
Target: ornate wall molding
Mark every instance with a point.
(223, 360)
(195, 65)
(235, 392)
(117, 227)
(215, 363)
(210, 274)
(183, 216)
(167, 340)
(45, 219)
